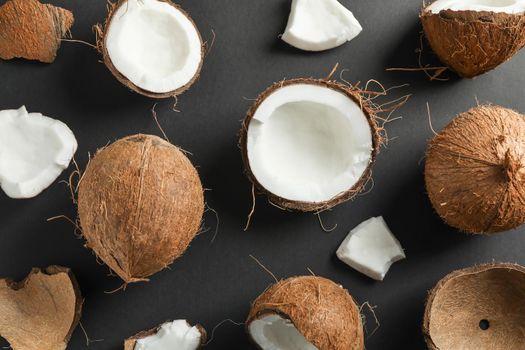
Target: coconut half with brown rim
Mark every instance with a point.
(474, 36)
(151, 46)
(309, 144)
(477, 308)
(307, 313)
(178, 334)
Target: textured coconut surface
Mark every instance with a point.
(216, 281)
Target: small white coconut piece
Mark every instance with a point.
(371, 248)
(34, 150)
(498, 6)
(177, 334)
(318, 25)
(275, 332)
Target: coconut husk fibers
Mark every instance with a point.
(140, 203)
(129, 344)
(342, 197)
(321, 310)
(473, 42)
(31, 30)
(475, 170)
(41, 312)
(455, 307)
(101, 32)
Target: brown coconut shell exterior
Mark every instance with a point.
(40, 312)
(321, 310)
(342, 197)
(473, 42)
(32, 30)
(129, 344)
(101, 31)
(457, 304)
(140, 204)
(475, 170)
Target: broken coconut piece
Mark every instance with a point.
(477, 308)
(317, 25)
(371, 248)
(34, 150)
(31, 30)
(474, 36)
(178, 334)
(306, 313)
(309, 144)
(41, 312)
(151, 46)
(475, 170)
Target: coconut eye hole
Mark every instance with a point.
(484, 324)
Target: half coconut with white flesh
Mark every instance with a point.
(178, 334)
(474, 36)
(305, 313)
(151, 46)
(309, 144)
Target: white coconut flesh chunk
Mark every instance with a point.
(34, 150)
(501, 6)
(154, 45)
(172, 335)
(308, 143)
(371, 248)
(317, 25)
(273, 332)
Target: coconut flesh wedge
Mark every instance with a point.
(178, 334)
(318, 25)
(151, 46)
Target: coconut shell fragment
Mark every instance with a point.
(32, 30)
(131, 342)
(477, 308)
(41, 312)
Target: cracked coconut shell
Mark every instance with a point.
(129, 344)
(475, 170)
(477, 308)
(321, 310)
(473, 42)
(31, 30)
(140, 203)
(41, 312)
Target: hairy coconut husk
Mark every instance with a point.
(140, 203)
(475, 170)
(32, 30)
(343, 197)
(487, 295)
(473, 42)
(129, 344)
(101, 30)
(321, 310)
(40, 312)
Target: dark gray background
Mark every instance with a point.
(213, 282)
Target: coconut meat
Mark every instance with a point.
(371, 248)
(154, 45)
(501, 6)
(273, 332)
(34, 150)
(308, 143)
(317, 25)
(172, 335)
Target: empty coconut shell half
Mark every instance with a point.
(40, 312)
(475, 170)
(140, 204)
(309, 144)
(306, 312)
(477, 308)
(151, 46)
(178, 334)
(474, 36)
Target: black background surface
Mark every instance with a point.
(213, 282)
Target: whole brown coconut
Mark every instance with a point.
(140, 203)
(321, 310)
(475, 170)
(477, 308)
(473, 42)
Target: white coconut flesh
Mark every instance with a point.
(34, 150)
(501, 6)
(317, 25)
(308, 143)
(154, 45)
(273, 332)
(172, 335)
